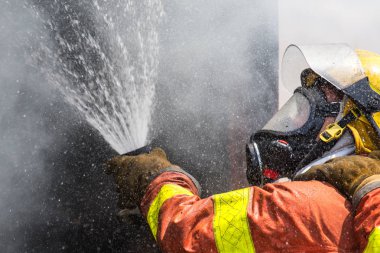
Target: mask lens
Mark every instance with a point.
(292, 116)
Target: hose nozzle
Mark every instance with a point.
(143, 150)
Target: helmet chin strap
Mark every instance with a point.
(345, 146)
(329, 139)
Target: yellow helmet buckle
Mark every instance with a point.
(332, 132)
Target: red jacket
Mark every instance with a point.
(283, 217)
(367, 222)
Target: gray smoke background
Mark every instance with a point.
(216, 85)
(218, 81)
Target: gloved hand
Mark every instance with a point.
(348, 174)
(132, 175)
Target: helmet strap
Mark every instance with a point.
(329, 137)
(335, 130)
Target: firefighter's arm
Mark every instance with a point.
(168, 198)
(179, 219)
(183, 222)
(358, 178)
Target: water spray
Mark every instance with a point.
(107, 69)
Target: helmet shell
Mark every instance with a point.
(337, 63)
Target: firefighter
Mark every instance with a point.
(333, 113)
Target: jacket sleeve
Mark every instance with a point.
(282, 217)
(367, 222)
(179, 220)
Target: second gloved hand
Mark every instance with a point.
(348, 174)
(132, 175)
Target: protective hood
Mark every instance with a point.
(337, 63)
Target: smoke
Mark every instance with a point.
(214, 76)
(22, 138)
(217, 85)
(53, 192)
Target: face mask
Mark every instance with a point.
(276, 150)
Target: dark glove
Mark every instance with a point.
(133, 174)
(348, 174)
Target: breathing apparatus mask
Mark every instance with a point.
(298, 134)
(276, 150)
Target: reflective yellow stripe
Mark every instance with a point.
(167, 191)
(231, 228)
(373, 245)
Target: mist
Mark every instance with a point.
(217, 85)
(23, 139)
